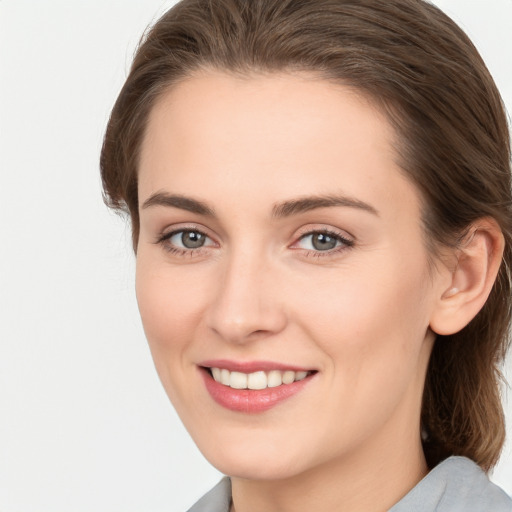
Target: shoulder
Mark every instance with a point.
(455, 485)
(217, 499)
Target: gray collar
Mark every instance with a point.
(456, 485)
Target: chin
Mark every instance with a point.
(261, 460)
(257, 468)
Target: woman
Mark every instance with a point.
(320, 201)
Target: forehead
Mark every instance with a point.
(256, 108)
(268, 135)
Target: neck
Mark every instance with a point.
(372, 480)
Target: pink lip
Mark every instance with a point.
(249, 400)
(250, 366)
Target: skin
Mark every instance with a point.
(358, 314)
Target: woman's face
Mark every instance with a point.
(281, 249)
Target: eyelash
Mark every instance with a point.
(345, 243)
(163, 240)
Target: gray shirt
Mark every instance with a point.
(455, 485)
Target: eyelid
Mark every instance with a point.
(171, 230)
(163, 239)
(172, 234)
(346, 240)
(322, 228)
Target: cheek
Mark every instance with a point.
(169, 304)
(372, 330)
(371, 321)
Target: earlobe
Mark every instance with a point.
(478, 260)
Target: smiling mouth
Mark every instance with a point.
(253, 386)
(256, 380)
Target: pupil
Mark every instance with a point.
(323, 242)
(192, 239)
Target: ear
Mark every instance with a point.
(477, 261)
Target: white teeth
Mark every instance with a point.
(256, 380)
(216, 372)
(301, 375)
(288, 377)
(224, 377)
(238, 380)
(275, 378)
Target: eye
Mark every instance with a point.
(323, 241)
(185, 241)
(188, 239)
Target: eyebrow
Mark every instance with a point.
(281, 210)
(178, 201)
(305, 204)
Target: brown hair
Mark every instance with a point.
(421, 68)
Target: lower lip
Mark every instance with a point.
(251, 400)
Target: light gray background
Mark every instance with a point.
(84, 424)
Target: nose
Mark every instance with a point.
(247, 304)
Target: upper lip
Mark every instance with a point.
(251, 366)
